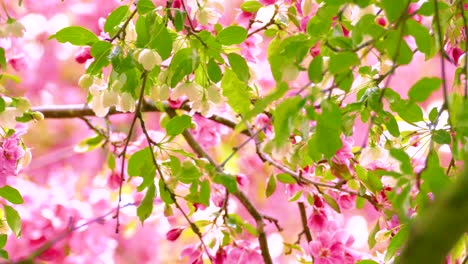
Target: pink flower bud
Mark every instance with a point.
(382, 21)
(173, 234)
(83, 55)
(318, 202)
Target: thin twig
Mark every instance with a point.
(127, 142)
(305, 228)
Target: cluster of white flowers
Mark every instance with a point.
(12, 111)
(106, 96)
(203, 100)
(13, 28)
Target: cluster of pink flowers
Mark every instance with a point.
(10, 153)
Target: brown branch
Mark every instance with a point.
(79, 110)
(305, 228)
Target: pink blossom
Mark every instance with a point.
(244, 18)
(18, 62)
(267, 2)
(346, 201)
(317, 221)
(250, 48)
(327, 250)
(191, 255)
(330, 248)
(10, 153)
(243, 255)
(114, 180)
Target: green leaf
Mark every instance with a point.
(335, 2)
(396, 242)
(227, 181)
(331, 202)
(178, 124)
(251, 6)
(434, 175)
(100, 52)
(441, 136)
(3, 240)
(285, 114)
(179, 19)
(315, 70)
(296, 196)
(13, 220)
(286, 178)
(141, 164)
(271, 186)
(205, 192)
(423, 89)
(90, 144)
(214, 72)
(11, 194)
(4, 254)
(421, 35)
(405, 162)
(397, 48)
(328, 130)
(164, 193)
(239, 66)
(342, 62)
(77, 36)
(236, 92)
(115, 18)
(366, 261)
(394, 8)
(145, 6)
(232, 35)
(2, 104)
(371, 238)
(2, 59)
(411, 112)
(188, 173)
(145, 208)
(161, 40)
(262, 103)
(184, 62)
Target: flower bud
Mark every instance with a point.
(27, 156)
(149, 59)
(38, 116)
(110, 98)
(173, 234)
(85, 81)
(127, 103)
(83, 55)
(382, 235)
(306, 7)
(193, 91)
(213, 94)
(22, 104)
(15, 28)
(462, 60)
(96, 104)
